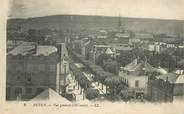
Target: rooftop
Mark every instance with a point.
(102, 46)
(172, 77)
(29, 49)
(138, 67)
(50, 95)
(143, 35)
(108, 51)
(161, 70)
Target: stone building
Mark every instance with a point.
(160, 90)
(167, 87)
(137, 75)
(31, 69)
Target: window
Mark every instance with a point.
(137, 83)
(18, 91)
(30, 67)
(18, 67)
(52, 68)
(41, 67)
(28, 90)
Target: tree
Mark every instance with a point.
(35, 36)
(102, 77)
(112, 83)
(111, 66)
(100, 59)
(92, 93)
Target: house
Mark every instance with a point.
(120, 48)
(82, 46)
(137, 73)
(77, 46)
(102, 34)
(159, 90)
(86, 46)
(122, 37)
(143, 36)
(170, 45)
(134, 40)
(167, 87)
(98, 50)
(32, 68)
(155, 48)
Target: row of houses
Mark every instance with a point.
(161, 46)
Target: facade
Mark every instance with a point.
(155, 47)
(31, 69)
(134, 40)
(77, 46)
(98, 50)
(137, 75)
(86, 47)
(160, 90)
(62, 69)
(166, 87)
(120, 48)
(83, 46)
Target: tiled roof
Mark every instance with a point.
(138, 68)
(171, 77)
(142, 64)
(131, 65)
(176, 77)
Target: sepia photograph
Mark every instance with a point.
(94, 52)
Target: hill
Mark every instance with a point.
(76, 22)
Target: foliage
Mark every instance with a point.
(111, 66)
(92, 93)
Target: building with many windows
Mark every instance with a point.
(31, 69)
(166, 87)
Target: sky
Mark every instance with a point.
(163, 9)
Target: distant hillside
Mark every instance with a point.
(95, 22)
